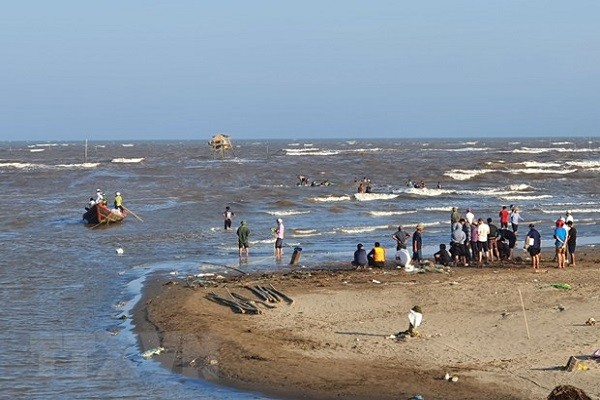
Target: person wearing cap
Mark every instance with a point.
(118, 203)
(560, 243)
(360, 257)
(243, 233)
(99, 196)
(533, 245)
(417, 244)
(227, 217)
(279, 232)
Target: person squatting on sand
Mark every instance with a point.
(360, 257)
(442, 256)
(415, 317)
(376, 256)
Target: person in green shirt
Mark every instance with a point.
(243, 232)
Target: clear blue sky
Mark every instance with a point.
(188, 69)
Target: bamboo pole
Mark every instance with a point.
(524, 316)
(132, 213)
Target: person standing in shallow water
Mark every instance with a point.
(279, 232)
(227, 217)
(243, 233)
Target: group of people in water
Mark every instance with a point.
(304, 181)
(243, 234)
(477, 241)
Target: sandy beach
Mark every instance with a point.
(334, 340)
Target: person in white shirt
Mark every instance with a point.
(279, 233)
(469, 216)
(483, 230)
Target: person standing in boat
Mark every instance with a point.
(118, 203)
(227, 217)
(99, 196)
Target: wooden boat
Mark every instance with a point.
(102, 214)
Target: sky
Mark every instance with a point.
(188, 69)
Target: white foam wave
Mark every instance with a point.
(542, 171)
(331, 198)
(17, 165)
(466, 174)
(561, 143)
(574, 211)
(585, 164)
(424, 191)
(363, 229)
(535, 164)
(441, 209)
(36, 150)
(305, 233)
(82, 165)
(529, 150)
(374, 196)
(127, 160)
(311, 151)
(389, 213)
(518, 187)
(127, 145)
(287, 213)
(525, 197)
(470, 149)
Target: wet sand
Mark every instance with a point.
(334, 340)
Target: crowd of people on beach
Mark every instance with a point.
(477, 242)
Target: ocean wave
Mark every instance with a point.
(362, 229)
(541, 171)
(574, 211)
(287, 213)
(374, 196)
(466, 174)
(17, 165)
(389, 213)
(424, 191)
(535, 164)
(519, 187)
(470, 149)
(560, 143)
(36, 150)
(76, 166)
(127, 160)
(538, 150)
(584, 164)
(311, 151)
(305, 233)
(440, 209)
(330, 198)
(525, 197)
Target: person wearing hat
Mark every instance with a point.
(417, 244)
(99, 196)
(360, 257)
(118, 203)
(569, 217)
(279, 231)
(243, 233)
(560, 243)
(533, 245)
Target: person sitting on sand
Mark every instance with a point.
(442, 256)
(360, 257)
(415, 317)
(376, 256)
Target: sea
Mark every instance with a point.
(68, 290)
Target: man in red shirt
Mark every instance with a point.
(504, 215)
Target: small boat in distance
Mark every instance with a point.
(102, 214)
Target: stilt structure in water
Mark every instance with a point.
(221, 145)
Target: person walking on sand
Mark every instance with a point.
(227, 217)
(571, 242)
(400, 237)
(279, 232)
(560, 243)
(533, 245)
(417, 244)
(243, 233)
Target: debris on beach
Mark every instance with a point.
(563, 286)
(152, 352)
(375, 281)
(590, 322)
(119, 251)
(564, 392)
(244, 305)
(575, 364)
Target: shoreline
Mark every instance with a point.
(334, 340)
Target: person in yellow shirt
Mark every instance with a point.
(376, 256)
(118, 202)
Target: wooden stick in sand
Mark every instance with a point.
(524, 316)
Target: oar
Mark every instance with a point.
(132, 213)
